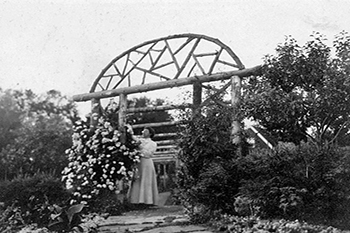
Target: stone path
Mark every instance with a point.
(158, 219)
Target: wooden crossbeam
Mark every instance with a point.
(172, 55)
(159, 108)
(138, 51)
(165, 142)
(109, 82)
(150, 57)
(160, 135)
(218, 92)
(187, 58)
(228, 63)
(116, 68)
(189, 73)
(158, 58)
(152, 73)
(167, 147)
(101, 87)
(183, 45)
(205, 54)
(168, 84)
(198, 64)
(157, 124)
(214, 61)
(162, 65)
(126, 64)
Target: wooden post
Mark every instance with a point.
(122, 116)
(236, 84)
(95, 112)
(197, 97)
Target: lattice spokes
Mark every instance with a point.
(167, 58)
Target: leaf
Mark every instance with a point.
(78, 229)
(57, 208)
(74, 210)
(54, 216)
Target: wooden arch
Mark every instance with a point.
(167, 58)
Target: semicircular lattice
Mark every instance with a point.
(172, 57)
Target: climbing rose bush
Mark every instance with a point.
(98, 160)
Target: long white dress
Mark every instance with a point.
(144, 188)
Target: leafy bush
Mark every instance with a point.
(208, 178)
(305, 183)
(28, 199)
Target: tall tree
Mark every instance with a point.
(10, 117)
(304, 91)
(42, 133)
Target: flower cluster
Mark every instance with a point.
(98, 160)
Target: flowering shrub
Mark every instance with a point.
(98, 160)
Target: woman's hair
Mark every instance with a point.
(151, 131)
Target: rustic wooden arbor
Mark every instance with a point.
(169, 62)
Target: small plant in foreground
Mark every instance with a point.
(66, 219)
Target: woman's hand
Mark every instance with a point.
(129, 129)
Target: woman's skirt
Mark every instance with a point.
(144, 188)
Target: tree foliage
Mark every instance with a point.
(302, 88)
(36, 130)
(147, 117)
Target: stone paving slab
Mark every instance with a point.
(170, 219)
(174, 229)
(137, 220)
(129, 228)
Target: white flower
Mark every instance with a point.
(69, 185)
(104, 133)
(105, 140)
(107, 124)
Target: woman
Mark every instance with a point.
(144, 188)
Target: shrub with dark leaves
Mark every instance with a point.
(305, 182)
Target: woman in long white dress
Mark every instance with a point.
(144, 188)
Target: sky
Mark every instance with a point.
(64, 44)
